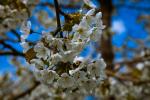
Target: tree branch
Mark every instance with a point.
(11, 53)
(16, 34)
(36, 84)
(8, 46)
(57, 17)
(126, 78)
(106, 47)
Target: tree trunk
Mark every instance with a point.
(106, 48)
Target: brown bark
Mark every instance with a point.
(106, 48)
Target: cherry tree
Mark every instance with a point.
(54, 68)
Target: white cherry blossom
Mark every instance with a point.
(25, 46)
(79, 76)
(48, 76)
(66, 81)
(25, 29)
(90, 3)
(88, 85)
(41, 51)
(55, 58)
(68, 56)
(39, 64)
(96, 69)
(58, 63)
(90, 12)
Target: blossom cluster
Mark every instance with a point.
(11, 15)
(11, 18)
(56, 58)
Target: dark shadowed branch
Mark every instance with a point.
(12, 50)
(57, 17)
(105, 43)
(7, 53)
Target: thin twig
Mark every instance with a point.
(57, 16)
(56, 31)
